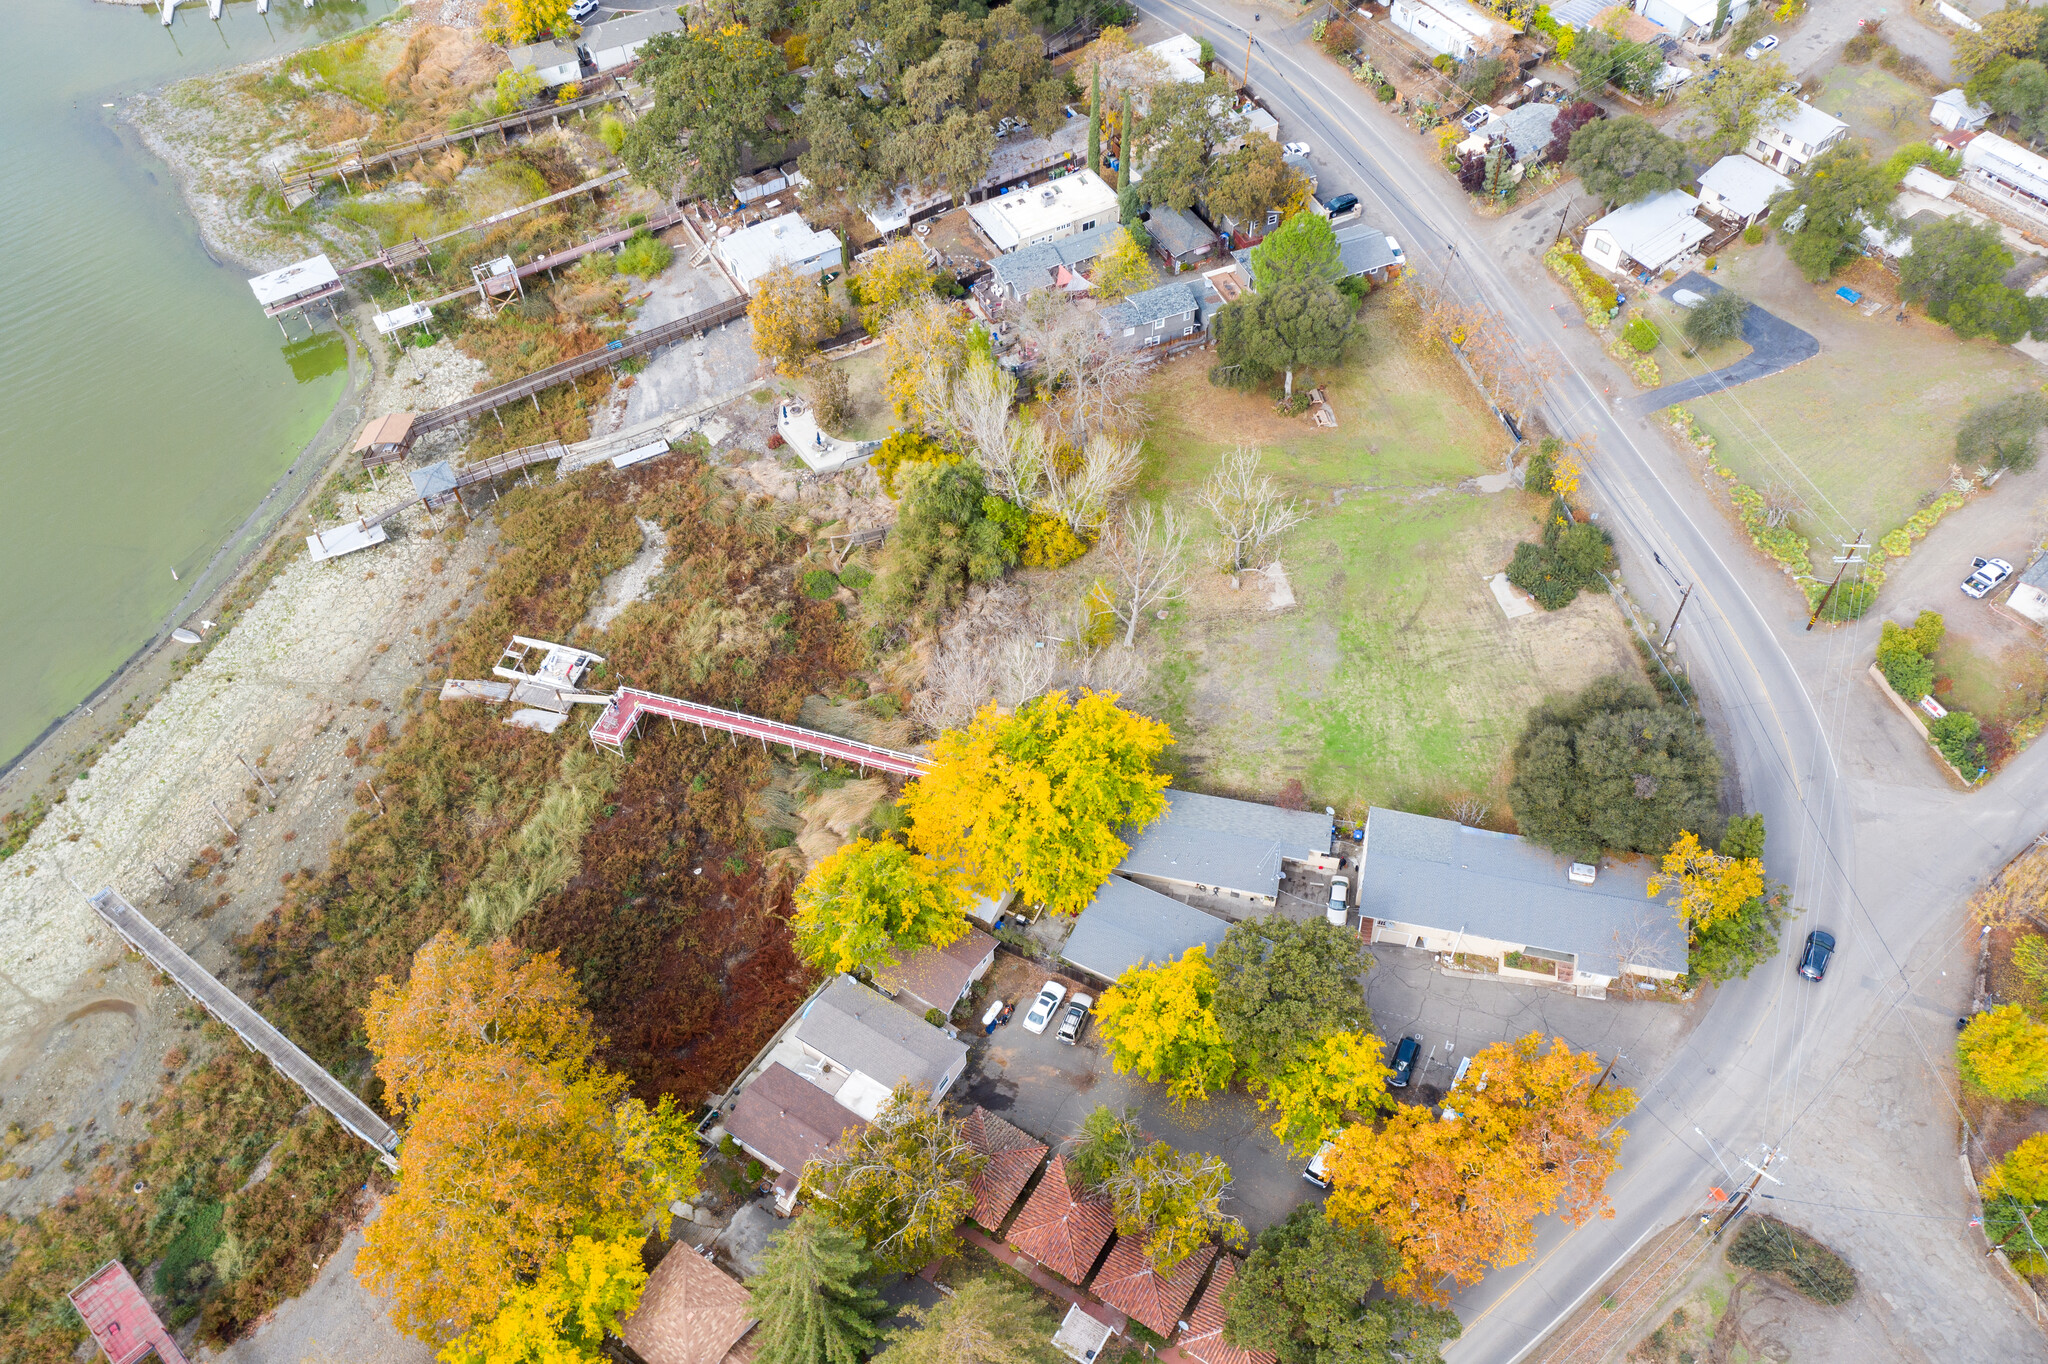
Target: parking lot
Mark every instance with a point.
(1047, 1087)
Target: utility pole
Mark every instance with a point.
(1736, 1204)
(1847, 557)
(1558, 235)
(1682, 600)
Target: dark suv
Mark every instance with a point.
(1404, 1062)
(1813, 963)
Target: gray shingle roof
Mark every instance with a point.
(870, 1033)
(1435, 873)
(1362, 247)
(1031, 267)
(1126, 925)
(630, 28)
(1217, 841)
(1178, 232)
(2036, 573)
(1528, 127)
(1168, 300)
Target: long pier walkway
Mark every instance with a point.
(623, 714)
(254, 1030)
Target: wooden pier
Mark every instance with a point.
(254, 1030)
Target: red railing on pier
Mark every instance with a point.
(622, 716)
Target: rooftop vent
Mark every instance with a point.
(1046, 196)
(1583, 873)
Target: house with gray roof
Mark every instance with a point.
(616, 42)
(1503, 905)
(1740, 189)
(1053, 264)
(555, 63)
(1127, 925)
(1214, 845)
(1791, 139)
(1157, 317)
(1527, 129)
(1179, 236)
(1362, 249)
(875, 1044)
(2030, 593)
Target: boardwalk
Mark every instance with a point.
(622, 716)
(224, 1004)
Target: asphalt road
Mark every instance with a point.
(1864, 831)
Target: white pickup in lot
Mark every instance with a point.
(1988, 574)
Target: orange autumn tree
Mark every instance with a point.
(1533, 1135)
(516, 1142)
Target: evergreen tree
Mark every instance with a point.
(1123, 160)
(1095, 121)
(987, 1321)
(813, 1307)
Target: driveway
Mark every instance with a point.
(1774, 344)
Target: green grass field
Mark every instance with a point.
(1879, 108)
(1395, 678)
(1863, 433)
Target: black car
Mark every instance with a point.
(1342, 205)
(1404, 1062)
(1813, 963)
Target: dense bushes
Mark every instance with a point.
(1594, 292)
(1569, 559)
(1641, 333)
(1905, 655)
(1771, 1247)
(944, 540)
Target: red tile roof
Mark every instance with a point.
(1013, 1157)
(1204, 1341)
(692, 1312)
(938, 976)
(120, 1318)
(1061, 1227)
(1129, 1282)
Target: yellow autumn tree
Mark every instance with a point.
(1121, 270)
(2004, 1053)
(1160, 1022)
(924, 347)
(870, 901)
(1711, 886)
(506, 22)
(1035, 800)
(891, 279)
(1333, 1077)
(790, 314)
(1459, 1196)
(562, 1316)
(516, 1142)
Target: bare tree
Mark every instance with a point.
(957, 681)
(1781, 504)
(1025, 666)
(1087, 386)
(1145, 563)
(1083, 489)
(1643, 941)
(1469, 812)
(1250, 510)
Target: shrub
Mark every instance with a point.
(1541, 469)
(2004, 1053)
(1850, 601)
(1050, 542)
(818, 584)
(1386, 94)
(1642, 334)
(1753, 235)
(612, 132)
(1595, 294)
(644, 255)
(1570, 559)
(855, 576)
(1771, 1247)
(906, 447)
(1956, 735)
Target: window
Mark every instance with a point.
(1152, 340)
(1130, 331)
(1159, 325)
(1088, 226)
(1187, 331)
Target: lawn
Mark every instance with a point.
(1394, 679)
(1879, 108)
(1863, 433)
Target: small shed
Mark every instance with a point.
(938, 977)
(1081, 1335)
(1181, 237)
(120, 1318)
(1013, 1155)
(1740, 188)
(435, 485)
(1954, 111)
(385, 440)
(1063, 1226)
(555, 63)
(1129, 1283)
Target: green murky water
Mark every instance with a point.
(146, 404)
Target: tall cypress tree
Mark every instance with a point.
(1095, 121)
(1123, 161)
(812, 1305)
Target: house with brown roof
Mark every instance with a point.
(1204, 1342)
(938, 977)
(691, 1312)
(1129, 1283)
(783, 1120)
(1013, 1157)
(1062, 1226)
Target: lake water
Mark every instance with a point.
(146, 404)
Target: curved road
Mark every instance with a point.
(1847, 1080)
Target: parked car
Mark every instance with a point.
(1404, 1062)
(1294, 149)
(1400, 256)
(1317, 1172)
(1475, 118)
(1813, 962)
(1341, 205)
(1339, 908)
(583, 9)
(1076, 1021)
(1042, 1008)
(1760, 46)
(1686, 298)
(1989, 574)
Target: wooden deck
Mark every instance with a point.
(254, 1030)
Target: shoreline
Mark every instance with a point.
(140, 679)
